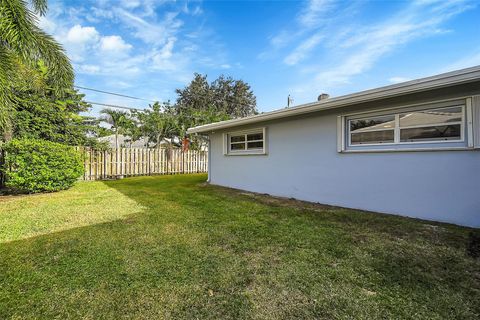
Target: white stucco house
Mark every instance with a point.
(411, 149)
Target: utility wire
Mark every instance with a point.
(113, 94)
(113, 106)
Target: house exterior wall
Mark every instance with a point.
(303, 163)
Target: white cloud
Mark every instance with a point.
(151, 32)
(148, 48)
(130, 3)
(162, 58)
(167, 51)
(309, 28)
(303, 49)
(114, 44)
(82, 35)
(398, 79)
(47, 25)
(354, 50)
(88, 69)
(77, 40)
(197, 10)
(314, 12)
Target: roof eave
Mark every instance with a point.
(430, 83)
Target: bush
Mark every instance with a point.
(41, 166)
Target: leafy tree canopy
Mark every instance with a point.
(198, 103)
(23, 43)
(225, 95)
(39, 112)
(158, 122)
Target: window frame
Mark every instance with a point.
(397, 128)
(394, 129)
(257, 151)
(464, 143)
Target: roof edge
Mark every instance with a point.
(418, 85)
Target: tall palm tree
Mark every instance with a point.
(117, 119)
(22, 41)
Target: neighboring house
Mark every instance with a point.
(411, 149)
(126, 142)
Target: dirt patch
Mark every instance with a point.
(268, 199)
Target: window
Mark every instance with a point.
(445, 124)
(431, 125)
(246, 142)
(372, 130)
(441, 125)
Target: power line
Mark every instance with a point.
(113, 106)
(113, 94)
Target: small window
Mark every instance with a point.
(430, 125)
(248, 142)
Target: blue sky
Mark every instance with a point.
(148, 48)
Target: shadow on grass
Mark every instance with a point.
(200, 251)
(86, 204)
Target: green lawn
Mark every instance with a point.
(173, 247)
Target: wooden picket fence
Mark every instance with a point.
(128, 162)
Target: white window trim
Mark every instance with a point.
(475, 123)
(343, 132)
(229, 152)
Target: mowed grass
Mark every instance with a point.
(173, 247)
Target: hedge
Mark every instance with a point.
(33, 165)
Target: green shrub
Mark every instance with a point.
(41, 166)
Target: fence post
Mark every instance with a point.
(183, 161)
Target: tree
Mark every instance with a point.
(224, 95)
(22, 42)
(158, 122)
(196, 96)
(233, 97)
(39, 113)
(119, 120)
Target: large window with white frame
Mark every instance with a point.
(246, 142)
(431, 124)
(441, 125)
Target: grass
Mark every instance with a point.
(173, 247)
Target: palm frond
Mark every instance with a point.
(6, 104)
(40, 6)
(19, 31)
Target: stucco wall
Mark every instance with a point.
(303, 163)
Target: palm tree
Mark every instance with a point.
(117, 119)
(23, 42)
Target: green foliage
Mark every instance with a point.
(44, 117)
(158, 122)
(198, 103)
(224, 95)
(22, 42)
(41, 113)
(121, 122)
(41, 166)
